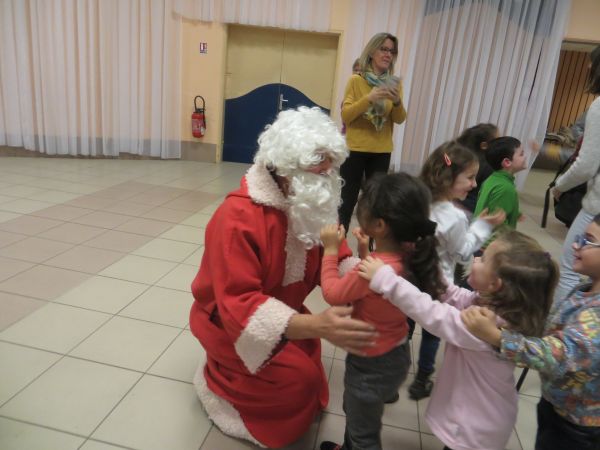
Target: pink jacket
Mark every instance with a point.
(473, 405)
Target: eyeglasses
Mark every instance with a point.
(391, 51)
(581, 241)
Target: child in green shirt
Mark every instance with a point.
(507, 157)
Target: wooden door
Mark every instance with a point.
(269, 70)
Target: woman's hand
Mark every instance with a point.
(481, 323)
(493, 219)
(556, 193)
(378, 93)
(394, 96)
(332, 236)
(363, 242)
(368, 267)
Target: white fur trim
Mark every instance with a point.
(295, 259)
(220, 411)
(263, 189)
(347, 264)
(262, 333)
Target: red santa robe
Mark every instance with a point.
(253, 277)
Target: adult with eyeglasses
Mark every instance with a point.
(372, 104)
(584, 169)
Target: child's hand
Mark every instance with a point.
(481, 322)
(493, 219)
(368, 266)
(363, 242)
(332, 236)
(534, 146)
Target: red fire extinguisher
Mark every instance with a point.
(198, 119)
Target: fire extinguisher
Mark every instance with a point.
(198, 118)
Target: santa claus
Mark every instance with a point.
(263, 379)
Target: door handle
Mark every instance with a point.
(281, 102)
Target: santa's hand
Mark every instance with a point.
(368, 267)
(351, 335)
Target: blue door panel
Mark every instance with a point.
(246, 117)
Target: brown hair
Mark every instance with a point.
(529, 276)
(475, 136)
(594, 78)
(444, 165)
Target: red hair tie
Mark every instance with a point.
(447, 160)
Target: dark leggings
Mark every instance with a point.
(357, 165)
(557, 433)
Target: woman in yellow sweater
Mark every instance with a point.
(372, 104)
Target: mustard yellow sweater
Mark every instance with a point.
(361, 135)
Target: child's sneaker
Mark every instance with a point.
(421, 386)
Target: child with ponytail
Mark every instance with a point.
(393, 210)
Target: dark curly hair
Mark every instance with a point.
(402, 202)
(529, 276)
(443, 167)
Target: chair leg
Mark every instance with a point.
(522, 378)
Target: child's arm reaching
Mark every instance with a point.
(438, 318)
(462, 241)
(574, 348)
(338, 289)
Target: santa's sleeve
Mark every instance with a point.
(236, 249)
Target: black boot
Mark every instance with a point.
(421, 386)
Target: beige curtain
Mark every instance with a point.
(482, 61)
(92, 77)
(308, 15)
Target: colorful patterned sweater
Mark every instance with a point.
(567, 357)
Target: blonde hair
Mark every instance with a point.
(529, 276)
(374, 43)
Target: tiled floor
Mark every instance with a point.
(96, 260)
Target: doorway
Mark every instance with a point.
(268, 70)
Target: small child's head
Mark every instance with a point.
(450, 171)
(516, 278)
(477, 138)
(395, 207)
(506, 153)
(586, 254)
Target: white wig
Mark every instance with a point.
(298, 139)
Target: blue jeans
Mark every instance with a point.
(368, 383)
(569, 279)
(427, 350)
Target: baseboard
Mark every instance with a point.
(190, 151)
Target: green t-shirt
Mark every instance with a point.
(499, 192)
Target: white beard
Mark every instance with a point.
(313, 203)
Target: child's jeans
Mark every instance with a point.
(556, 433)
(427, 350)
(368, 383)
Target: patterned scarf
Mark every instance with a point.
(376, 112)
